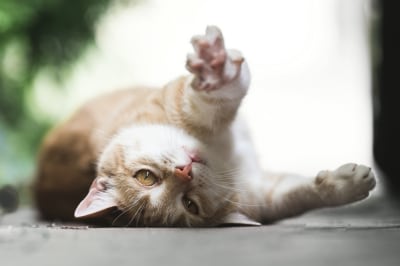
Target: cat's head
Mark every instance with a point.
(160, 176)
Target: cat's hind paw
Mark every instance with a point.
(348, 183)
(211, 64)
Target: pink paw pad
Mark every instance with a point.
(210, 59)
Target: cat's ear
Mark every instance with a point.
(98, 200)
(239, 219)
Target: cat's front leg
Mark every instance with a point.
(290, 195)
(218, 72)
(348, 183)
(211, 96)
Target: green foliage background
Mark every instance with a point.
(35, 35)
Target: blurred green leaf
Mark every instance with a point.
(36, 35)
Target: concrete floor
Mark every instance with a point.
(362, 234)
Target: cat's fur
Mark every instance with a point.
(188, 136)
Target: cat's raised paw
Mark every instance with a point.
(348, 183)
(211, 64)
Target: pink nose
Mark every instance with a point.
(184, 172)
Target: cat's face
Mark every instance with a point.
(161, 176)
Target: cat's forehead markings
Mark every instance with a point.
(166, 159)
(153, 163)
(145, 161)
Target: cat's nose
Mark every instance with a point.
(184, 172)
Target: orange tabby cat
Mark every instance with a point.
(177, 156)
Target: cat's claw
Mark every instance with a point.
(211, 64)
(348, 183)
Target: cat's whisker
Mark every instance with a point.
(140, 213)
(229, 184)
(229, 171)
(226, 180)
(231, 180)
(120, 215)
(239, 204)
(133, 216)
(230, 174)
(125, 210)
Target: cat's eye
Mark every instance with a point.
(190, 205)
(146, 177)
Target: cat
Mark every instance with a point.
(177, 156)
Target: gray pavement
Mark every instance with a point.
(361, 234)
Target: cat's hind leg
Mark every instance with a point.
(290, 195)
